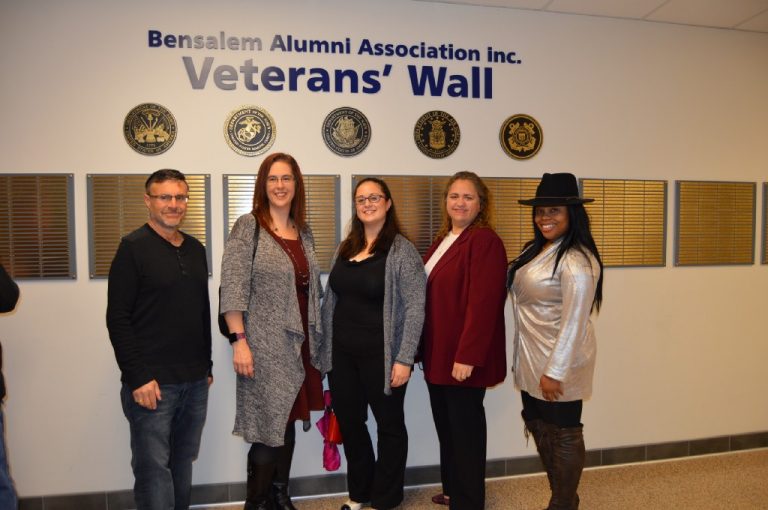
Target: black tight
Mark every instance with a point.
(562, 414)
(261, 454)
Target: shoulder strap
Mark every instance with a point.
(255, 235)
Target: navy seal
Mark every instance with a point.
(437, 134)
(346, 131)
(250, 130)
(149, 129)
(521, 136)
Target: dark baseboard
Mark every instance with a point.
(414, 476)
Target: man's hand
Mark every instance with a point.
(148, 395)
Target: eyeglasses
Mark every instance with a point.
(274, 179)
(372, 198)
(166, 199)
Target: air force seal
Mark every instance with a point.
(521, 136)
(346, 131)
(437, 134)
(149, 129)
(250, 130)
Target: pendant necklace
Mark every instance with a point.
(301, 276)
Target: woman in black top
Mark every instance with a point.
(373, 311)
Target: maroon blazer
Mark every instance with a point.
(464, 319)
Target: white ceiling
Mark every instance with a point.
(749, 15)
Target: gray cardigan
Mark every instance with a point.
(265, 290)
(405, 284)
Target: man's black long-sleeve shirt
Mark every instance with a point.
(158, 312)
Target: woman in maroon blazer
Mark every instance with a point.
(464, 343)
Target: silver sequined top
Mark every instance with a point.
(554, 334)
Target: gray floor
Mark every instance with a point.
(732, 481)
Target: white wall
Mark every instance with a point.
(681, 349)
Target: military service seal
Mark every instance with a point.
(149, 129)
(346, 131)
(521, 136)
(250, 130)
(437, 134)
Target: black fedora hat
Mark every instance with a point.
(557, 189)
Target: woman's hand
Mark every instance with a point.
(242, 358)
(461, 372)
(551, 389)
(400, 374)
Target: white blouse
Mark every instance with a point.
(446, 243)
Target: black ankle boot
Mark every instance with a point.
(280, 496)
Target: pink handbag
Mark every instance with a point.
(328, 426)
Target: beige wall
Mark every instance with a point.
(681, 350)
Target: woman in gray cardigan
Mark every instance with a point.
(373, 312)
(270, 298)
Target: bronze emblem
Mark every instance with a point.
(149, 129)
(346, 131)
(521, 136)
(437, 134)
(250, 130)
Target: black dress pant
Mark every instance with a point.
(460, 422)
(356, 382)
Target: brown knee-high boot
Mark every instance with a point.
(567, 464)
(539, 431)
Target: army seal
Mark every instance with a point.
(346, 131)
(149, 129)
(437, 134)
(521, 136)
(250, 130)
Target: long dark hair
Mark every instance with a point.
(355, 240)
(578, 237)
(261, 201)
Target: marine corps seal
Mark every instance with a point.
(521, 136)
(149, 129)
(346, 131)
(250, 130)
(437, 134)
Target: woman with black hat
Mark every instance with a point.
(555, 284)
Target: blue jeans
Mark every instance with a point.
(8, 499)
(164, 442)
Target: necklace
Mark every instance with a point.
(302, 277)
(291, 226)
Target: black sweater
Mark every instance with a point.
(158, 313)
(9, 296)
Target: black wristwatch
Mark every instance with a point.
(234, 337)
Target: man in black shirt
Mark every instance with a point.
(9, 296)
(158, 316)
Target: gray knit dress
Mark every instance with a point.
(264, 289)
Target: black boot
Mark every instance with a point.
(568, 462)
(282, 473)
(280, 496)
(257, 496)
